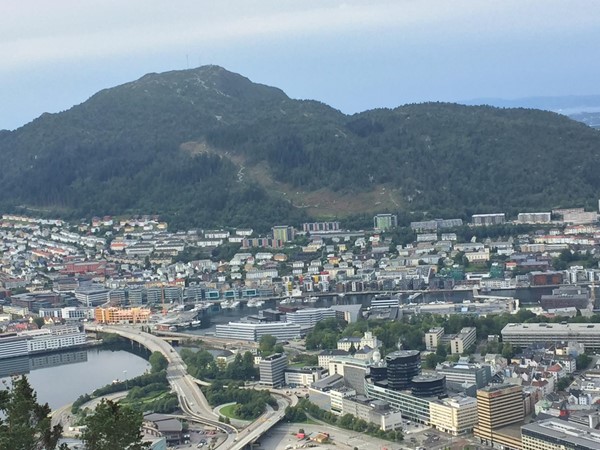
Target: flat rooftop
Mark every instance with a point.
(579, 436)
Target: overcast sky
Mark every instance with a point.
(353, 55)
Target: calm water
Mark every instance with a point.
(60, 378)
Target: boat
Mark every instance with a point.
(254, 303)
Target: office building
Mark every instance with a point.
(247, 331)
(554, 434)
(272, 369)
(92, 295)
(428, 385)
(413, 408)
(402, 367)
(54, 338)
(488, 219)
(464, 373)
(525, 334)
(463, 341)
(68, 313)
(433, 338)
(336, 397)
(455, 415)
(377, 412)
(39, 341)
(303, 376)
(385, 301)
(12, 345)
(382, 222)
(352, 370)
(566, 297)
(309, 317)
(498, 407)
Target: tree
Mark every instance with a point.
(441, 351)
(352, 349)
(26, 425)
(507, 350)
(583, 361)
(158, 362)
(431, 361)
(113, 426)
(563, 383)
(39, 321)
(266, 344)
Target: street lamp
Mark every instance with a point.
(125, 376)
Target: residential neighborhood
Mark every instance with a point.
(287, 284)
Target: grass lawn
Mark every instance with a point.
(228, 411)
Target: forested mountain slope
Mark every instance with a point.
(208, 147)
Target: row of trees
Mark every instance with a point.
(26, 424)
(204, 366)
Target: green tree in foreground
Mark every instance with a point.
(25, 424)
(113, 426)
(158, 362)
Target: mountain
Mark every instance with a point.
(575, 103)
(207, 147)
(583, 108)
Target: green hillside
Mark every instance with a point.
(207, 147)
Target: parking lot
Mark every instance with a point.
(283, 436)
(198, 437)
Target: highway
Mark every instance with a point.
(191, 399)
(260, 426)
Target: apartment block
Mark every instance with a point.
(488, 219)
(384, 222)
(463, 340)
(122, 315)
(433, 338)
(283, 233)
(536, 217)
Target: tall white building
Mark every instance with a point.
(272, 369)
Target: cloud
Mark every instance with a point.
(64, 30)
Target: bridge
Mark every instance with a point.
(191, 399)
(211, 340)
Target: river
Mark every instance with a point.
(59, 378)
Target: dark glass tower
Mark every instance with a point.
(402, 367)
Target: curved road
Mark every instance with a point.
(192, 400)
